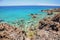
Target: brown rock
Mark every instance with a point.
(8, 32)
(56, 18)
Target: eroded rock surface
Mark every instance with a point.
(8, 32)
(50, 29)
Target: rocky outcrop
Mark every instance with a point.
(49, 28)
(50, 12)
(8, 32)
(56, 18)
(56, 10)
(51, 23)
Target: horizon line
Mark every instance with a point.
(34, 5)
(31, 5)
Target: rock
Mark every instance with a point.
(56, 18)
(49, 12)
(1, 20)
(53, 27)
(50, 29)
(56, 10)
(8, 32)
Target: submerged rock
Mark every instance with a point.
(34, 15)
(1, 20)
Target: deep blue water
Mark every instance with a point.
(12, 13)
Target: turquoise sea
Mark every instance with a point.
(14, 13)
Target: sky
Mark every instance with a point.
(29, 2)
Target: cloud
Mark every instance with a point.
(28, 2)
(48, 4)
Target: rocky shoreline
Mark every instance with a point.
(50, 11)
(46, 29)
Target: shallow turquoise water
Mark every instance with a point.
(13, 13)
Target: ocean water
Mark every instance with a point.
(13, 13)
